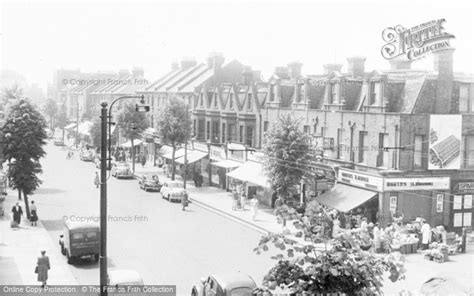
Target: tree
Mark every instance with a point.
(61, 121)
(311, 262)
(96, 133)
(51, 109)
(24, 136)
(9, 95)
(286, 150)
(174, 126)
(132, 124)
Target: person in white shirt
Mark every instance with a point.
(425, 235)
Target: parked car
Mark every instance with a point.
(80, 240)
(225, 285)
(121, 170)
(172, 191)
(150, 181)
(86, 155)
(58, 142)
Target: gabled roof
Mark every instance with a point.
(169, 83)
(151, 87)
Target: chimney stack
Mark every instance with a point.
(295, 69)
(137, 72)
(356, 66)
(443, 64)
(247, 75)
(282, 72)
(329, 68)
(215, 60)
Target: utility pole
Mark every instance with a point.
(77, 122)
(186, 148)
(103, 201)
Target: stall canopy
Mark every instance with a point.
(345, 198)
(227, 164)
(177, 154)
(192, 156)
(251, 172)
(85, 128)
(128, 144)
(70, 126)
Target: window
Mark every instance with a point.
(265, 126)
(468, 151)
(231, 98)
(382, 155)
(194, 127)
(231, 132)
(215, 132)
(362, 148)
(249, 136)
(215, 100)
(223, 132)
(272, 93)
(466, 98)
(306, 129)
(339, 144)
(332, 93)
(208, 130)
(201, 129)
(462, 208)
(241, 134)
(201, 100)
(77, 236)
(249, 102)
(418, 152)
(372, 94)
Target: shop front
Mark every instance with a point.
(150, 138)
(218, 173)
(252, 175)
(193, 159)
(201, 166)
(461, 204)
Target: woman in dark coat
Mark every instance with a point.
(42, 268)
(34, 214)
(184, 200)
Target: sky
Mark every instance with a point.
(38, 37)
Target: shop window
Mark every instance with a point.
(362, 148)
(468, 152)
(462, 210)
(241, 134)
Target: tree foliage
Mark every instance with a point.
(24, 137)
(174, 125)
(51, 109)
(96, 132)
(311, 262)
(286, 150)
(9, 96)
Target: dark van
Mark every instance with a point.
(80, 240)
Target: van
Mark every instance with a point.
(80, 240)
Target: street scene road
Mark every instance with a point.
(163, 243)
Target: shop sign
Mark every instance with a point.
(200, 147)
(464, 187)
(360, 180)
(217, 153)
(429, 183)
(439, 203)
(256, 156)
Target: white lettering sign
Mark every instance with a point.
(428, 183)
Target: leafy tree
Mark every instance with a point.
(10, 94)
(286, 150)
(132, 124)
(62, 121)
(174, 126)
(311, 262)
(24, 136)
(51, 109)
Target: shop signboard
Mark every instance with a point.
(200, 146)
(236, 151)
(464, 187)
(217, 153)
(361, 180)
(445, 142)
(439, 202)
(428, 183)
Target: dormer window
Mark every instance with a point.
(249, 102)
(332, 93)
(215, 100)
(373, 94)
(201, 99)
(231, 98)
(272, 93)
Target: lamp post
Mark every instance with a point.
(186, 148)
(77, 122)
(104, 148)
(208, 142)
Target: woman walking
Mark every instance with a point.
(254, 204)
(184, 201)
(34, 215)
(42, 267)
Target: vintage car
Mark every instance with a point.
(86, 155)
(58, 142)
(225, 285)
(121, 170)
(150, 182)
(173, 190)
(80, 240)
(124, 277)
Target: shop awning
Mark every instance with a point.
(345, 198)
(227, 164)
(251, 172)
(85, 128)
(128, 144)
(177, 154)
(150, 133)
(193, 156)
(70, 126)
(165, 149)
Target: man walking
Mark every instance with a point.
(17, 213)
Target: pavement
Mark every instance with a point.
(20, 248)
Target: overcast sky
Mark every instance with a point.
(38, 37)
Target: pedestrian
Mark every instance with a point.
(17, 213)
(124, 156)
(34, 215)
(425, 235)
(254, 204)
(377, 238)
(96, 180)
(42, 267)
(242, 198)
(235, 199)
(336, 227)
(143, 160)
(184, 200)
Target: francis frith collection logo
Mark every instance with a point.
(416, 42)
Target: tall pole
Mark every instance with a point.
(186, 149)
(103, 201)
(77, 122)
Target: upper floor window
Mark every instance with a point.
(272, 93)
(466, 98)
(332, 93)
(362, 145)
(265, 126)
(249, 102)
(418, 152)
(468, 152)
(215, 100)
(231, 98)
(201, 100)
(373, 94)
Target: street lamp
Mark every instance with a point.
(104, 147)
